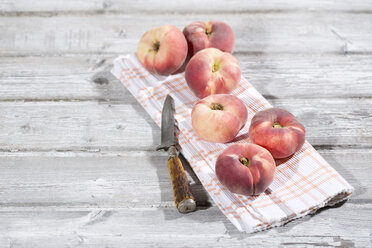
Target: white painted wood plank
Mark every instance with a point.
(91, 125)
(59, 78)
(121, 180)
(191, 6)
(76, 126)
(337, 227)
(296, 76)
(330, 123)
(133, 180)
(119, 33)
(274, 76)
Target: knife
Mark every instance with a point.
(183, 198)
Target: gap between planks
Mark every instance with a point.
(148, 153)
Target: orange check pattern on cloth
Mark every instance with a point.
(302, 184)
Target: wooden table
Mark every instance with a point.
(78, 166)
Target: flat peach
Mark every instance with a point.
(246, 169)
(212, 71)
(162, 50)
(201, 35)
(278, 131)
(218, 118)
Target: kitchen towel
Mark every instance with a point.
(302, 184)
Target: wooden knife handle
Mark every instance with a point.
(183, 197)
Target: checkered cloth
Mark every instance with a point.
(302, 184)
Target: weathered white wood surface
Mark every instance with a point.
(87, 125)
(76, 150)
(108, 179)
(293, 32)
(180, 7)
(279, 76)
(156, 227)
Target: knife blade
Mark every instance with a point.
(183, 198)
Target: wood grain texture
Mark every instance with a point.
(77, 160)
(128, 179)
(105, 126)
(119, 33)
(180, 7)
(166, 228)
(86, 77)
